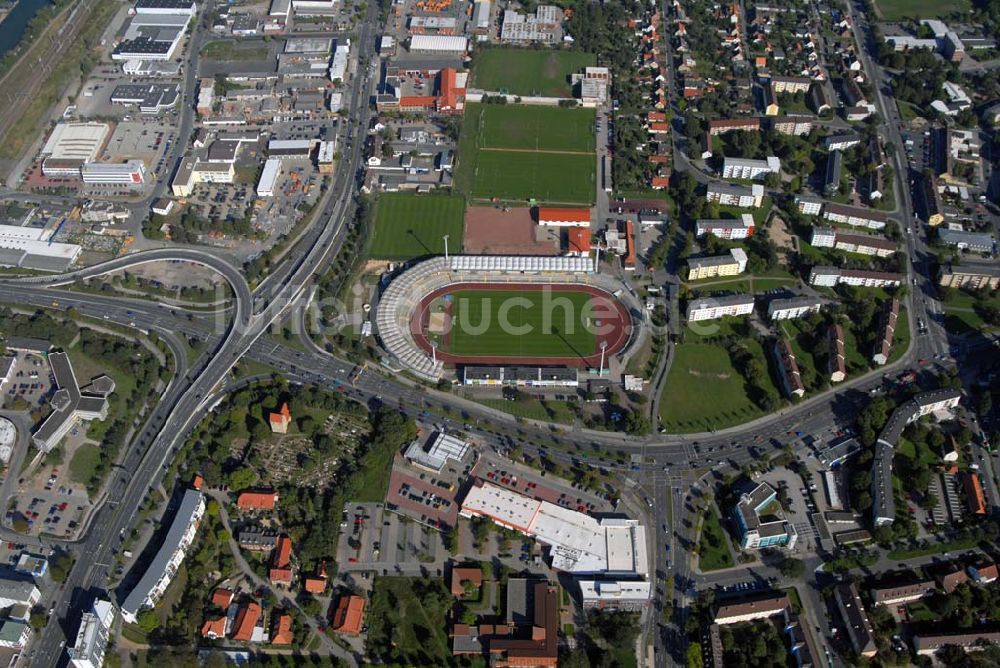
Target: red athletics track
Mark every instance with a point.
(617, 326)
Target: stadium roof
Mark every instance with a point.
(502, 263)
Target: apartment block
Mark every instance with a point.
(826, 276)
(726, 228)
(712, 308)
(720, 265)
(730, 194)
(793, 307)
(854, 216)
(788, 369)
(836, 364)
(811, 206)
(744, 168)
(976, 276)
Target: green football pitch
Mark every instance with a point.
(520, 324)
(536, 128)
(409, 225)
(518, 153)
(529, 71)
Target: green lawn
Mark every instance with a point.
(528, 71)
(536, 128)
(527, 324)
(704, 391)
(546, 177)
(84, 464)
(532, 408)
(232, 50)
(408, 628)
(713, 551)
(409, 226)
(497, 156)
(893, 10)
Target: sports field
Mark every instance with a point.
(409, 225)
(536, 128)
(507, 322)
(520, 323)
(543, 72)
(517, 153)
(893, 10)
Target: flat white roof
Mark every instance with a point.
(614, 590)
(444, 447)
(439, 43)
(521, 263)
(578, 543)
(268, 177)
(76, 141)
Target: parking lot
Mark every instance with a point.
(30, 382)
(373, 539)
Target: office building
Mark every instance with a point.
(70, 403)
(624, 595)
(131, 173)
(442, 449)
(977, 242)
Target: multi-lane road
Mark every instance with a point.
(670, 463)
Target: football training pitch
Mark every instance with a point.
(518, 153)
(542, 72)
(409, 225)
(515, 324)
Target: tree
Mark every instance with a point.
(792, 568)
(60, 564)
(147, 621)
(242, 478)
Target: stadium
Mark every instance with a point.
(490, 309)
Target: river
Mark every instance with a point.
(12, 27)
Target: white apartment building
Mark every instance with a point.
(92, 637)
(712, 308)
(18, 592)
(793, 307)
(166, 562)
(854, 215)
(823, 237)
(726, 228)
(811, 206)
(743, 168)
(731, 194)
(830, 276)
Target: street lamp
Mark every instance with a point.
(604, 344)
(445, 237)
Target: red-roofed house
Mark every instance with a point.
(197, 482)
(578, 241)
(222, 598)
(660, 182)
(316, 584)
(283, 631)
(281, 564)
(451, 96)
(256, 500)
(214, 628)
(246, 620)
(630, 256)
(280, 420)
(563, 216)
(349, 616)
(974, 494)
